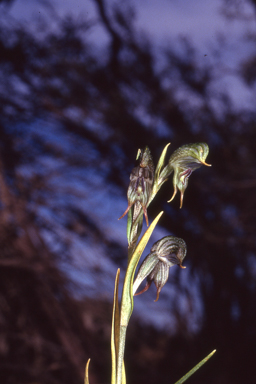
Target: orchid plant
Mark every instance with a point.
(145, 182)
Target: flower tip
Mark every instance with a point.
(171, 199)
(204, 163)
(181, 200)
(129, 206)
(144, 289)
(145, 214)
(182, 266)
(157, 295)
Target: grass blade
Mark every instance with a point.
(193, 370)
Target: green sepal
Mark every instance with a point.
(129, 224)
(158, 180)
(145, 269)
(139, 152)
(190, 156)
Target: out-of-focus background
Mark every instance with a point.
(83, 85)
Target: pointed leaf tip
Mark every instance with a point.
(86, 376)
(193, 370)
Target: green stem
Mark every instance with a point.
(115, 329)
(120, 357)
(127, 295)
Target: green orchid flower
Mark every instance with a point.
(183, 162)
(165, 253)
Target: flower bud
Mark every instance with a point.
(164, 254)
(183, 162)
(141, 183)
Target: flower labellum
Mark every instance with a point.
(164, 254)
(183, 162)
(141, 183)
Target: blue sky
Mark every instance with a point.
(200, 20)
(219, 41)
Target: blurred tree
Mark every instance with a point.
(66, 109)
(6, 2)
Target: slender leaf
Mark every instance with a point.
(127, 296)
(193, 370)
(115, 329)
